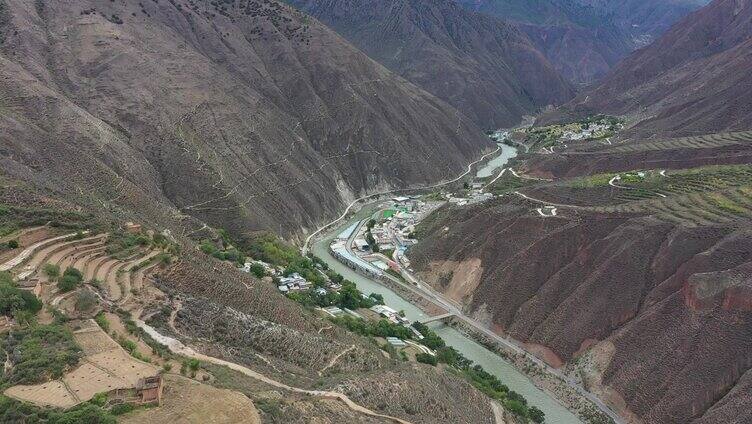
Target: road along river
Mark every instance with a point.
(497, 162)
(491, 362)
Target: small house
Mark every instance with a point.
(394, 341)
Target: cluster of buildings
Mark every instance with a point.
(390, 314)
(473, 196)
(294, 283)
(391, 233)
(593, 130)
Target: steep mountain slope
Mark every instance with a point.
(586, 38)
(692, 80)
(210, 305)
(662, 310)
(245, 114)
(483, 66)
(641, 290)
(644, 20)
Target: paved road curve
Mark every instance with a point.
(427, 292)
(307, 244)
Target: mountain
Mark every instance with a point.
(644, 20)
(244, 114)
(483, 66)
(187, 117)
(687, 82)
(639, 288)
(586, 38)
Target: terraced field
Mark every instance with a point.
(696, 142)
(105, 366)
(698, 196)
(694, 209)
(88, 253)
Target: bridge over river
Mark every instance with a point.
(436, 318)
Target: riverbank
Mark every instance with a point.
(548, 382)
(459, 335)
(393, 294)
(553, 384)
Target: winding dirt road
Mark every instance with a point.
(179, 348)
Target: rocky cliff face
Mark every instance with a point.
(246, 114)
(687, 82)
(483, 66)
(586, 38)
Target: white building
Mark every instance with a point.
(293, 283)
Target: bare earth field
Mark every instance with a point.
(188, 401)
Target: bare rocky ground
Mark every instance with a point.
(274, 336)
(220, 311)
(660, 282)
(446, 47)
(242, 109)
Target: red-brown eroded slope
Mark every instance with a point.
(674, 301)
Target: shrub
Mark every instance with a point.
(425, 358)
(208, 247)
(13, 244)
(194, 364)
(258, 270)
(128, 345)
(71, 279)
(24, 318)
(51, 270)
(122, 408)
(101, 320)
(39, 353)
(164, 259)
(99, 399)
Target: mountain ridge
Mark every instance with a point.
(242, 109)
(586, 38)
(482, 65)
(688, 81)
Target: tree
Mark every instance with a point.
(512, 395)
(85, 301)
(349, 297)
(13, 244)
(448, 355)
(516, 407)
(13, 299)
(536, 414)
(377, 298)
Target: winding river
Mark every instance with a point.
(491, 362)
(489, 168)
